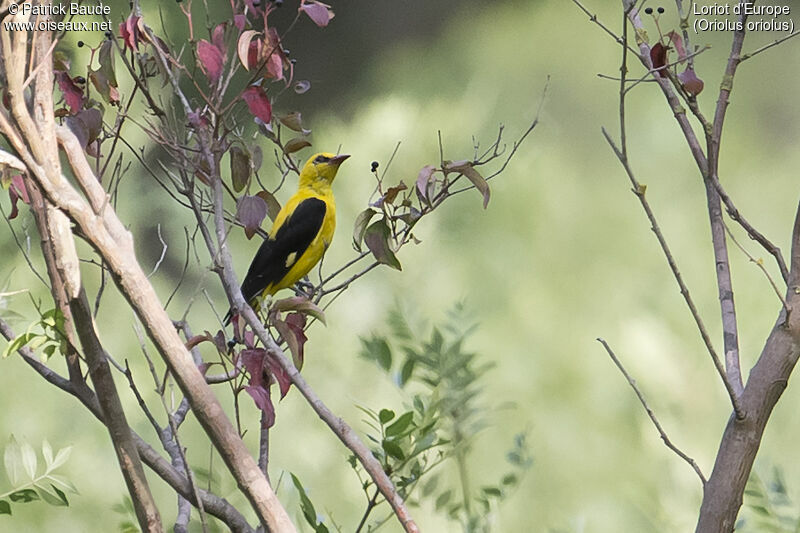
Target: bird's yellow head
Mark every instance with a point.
(320, 170)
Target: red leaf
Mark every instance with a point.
(658, 55)
(73, 95)
(19, 184)
(240, 21)
(277, 60)
(318, 12)
(258, 388)
(129, 32)
(210, 59)
(280, 375)
(691, 82)
(218, 37)
(251, 211)
(262, 400)
(258, 103)
(17, 191)
(676, 39)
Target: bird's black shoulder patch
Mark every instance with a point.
(277, 255)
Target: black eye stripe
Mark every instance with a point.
(322, 159)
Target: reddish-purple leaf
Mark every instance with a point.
(466, 168)
(73, 95)
(318, 12)
(258, 103)
(129, 31)
(17, 191)
(254, 361)
(197, 339)
(691, 82)
(198, 120)
(280, 375)
(240, 21)
(250, 211)
(658, 55)
(424, 179)
(210, 59)
(377, 239)
(293, 336)
(277, 60)
(676, 39)
(220, 341)
(218, 37)
(19, 184)
(262, 400)
(300, 304)
(86, 125)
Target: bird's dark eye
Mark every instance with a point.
(321, 159)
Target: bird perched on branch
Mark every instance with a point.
(301, 233)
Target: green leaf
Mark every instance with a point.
(377, 239)
(273, 206)
(400, 425)
(12, 460)
(407, 371)
(295, 145)
(393, 449)
(5, 507)
(23, 496)
(443, 498)
(47, 453)
(360, 226)
(52, 495)
(61, 457)
(385, 415)
(29, 461)
(492, 491)
(306, 506)
(64, 482)
(240, 168)
(20, 341)
(377, 349)
(509, 480)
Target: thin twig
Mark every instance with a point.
(760, 264)
(639, 191)
(651, 414)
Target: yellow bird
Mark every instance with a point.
(301, 233)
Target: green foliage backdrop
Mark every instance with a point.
(562, 255)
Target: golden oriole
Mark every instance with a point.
(301, 233)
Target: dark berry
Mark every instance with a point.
(649, 10)
(374, 166)
(80, 80)
(108, 35)
(660, 9)
(80, 44)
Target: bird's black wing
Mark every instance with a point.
(294, 237)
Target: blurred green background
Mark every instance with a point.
(562, 255)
